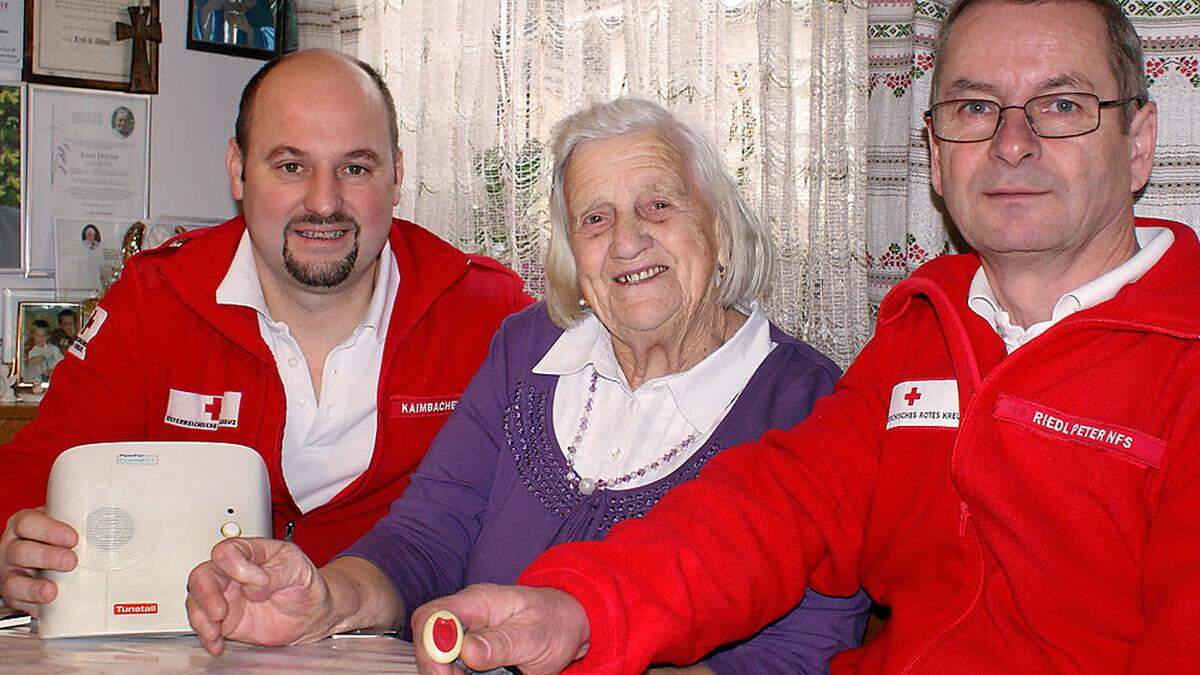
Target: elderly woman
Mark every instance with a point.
(649, 356)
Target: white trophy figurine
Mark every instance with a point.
(7, 380)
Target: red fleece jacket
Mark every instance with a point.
(1031, 512)
(164, 330)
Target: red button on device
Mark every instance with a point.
(443, 635)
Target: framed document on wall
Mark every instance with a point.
(87, 157)
(76, 44)
(12, 28)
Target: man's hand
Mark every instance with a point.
(33, 541)
(539, 630)
(260, 591)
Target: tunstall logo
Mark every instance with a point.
(135, 608)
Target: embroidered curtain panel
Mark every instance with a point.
(780, 85)
(786, 89)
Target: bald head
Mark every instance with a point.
(303, 73)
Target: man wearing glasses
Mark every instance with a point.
(1011, 464)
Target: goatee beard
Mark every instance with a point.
(321, 274)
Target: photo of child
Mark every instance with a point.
(45, 330)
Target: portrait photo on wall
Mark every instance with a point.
(87, 253)
(44, 334)
(251, 28)
(122, 121)
(10, 177)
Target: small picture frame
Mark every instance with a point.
(15, 298)
(88, 253)
(253, 29)
(45, 331)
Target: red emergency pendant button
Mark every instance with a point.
(443, 636)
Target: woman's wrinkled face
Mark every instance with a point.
(642, 237)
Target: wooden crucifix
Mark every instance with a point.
(145, 30)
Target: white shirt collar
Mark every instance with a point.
(241, 286)
(1153, 242)
(702, 393)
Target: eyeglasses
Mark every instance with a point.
(968, 120)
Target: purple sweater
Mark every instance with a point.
(492, 492)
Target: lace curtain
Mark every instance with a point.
(907, 223)
(781, 86)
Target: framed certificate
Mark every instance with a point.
(12, 28)
(76, 44)
(87, 157)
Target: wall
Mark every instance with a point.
(191, 121)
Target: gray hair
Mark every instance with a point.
(744, 246)
(1124, 48)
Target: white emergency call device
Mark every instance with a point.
(146, 514)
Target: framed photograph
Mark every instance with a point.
(13, 298)
(250, 28)
(11, 174)
(88, 253)
(76, 44)
(45, 331)
(87, 158)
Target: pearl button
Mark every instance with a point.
(587, 486)
(616, 452)
(303, 403)
(230, 530)
(292, 362)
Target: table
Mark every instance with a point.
(22, 652)
(13, 416)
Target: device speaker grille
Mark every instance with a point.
(117, 529)
(108, 528)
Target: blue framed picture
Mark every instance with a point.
(249, 28)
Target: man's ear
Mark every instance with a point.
(399, 173)
(1143, 132)
(935, 158)
(235, 167)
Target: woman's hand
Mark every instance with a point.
(539, 630)
(261, 591)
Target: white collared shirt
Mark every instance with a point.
(628, 430)
(326, 443)
(1153, 242)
